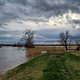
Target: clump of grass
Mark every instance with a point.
(58, 69)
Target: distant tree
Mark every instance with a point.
(27, 39)
(65, 39)
(77, 44)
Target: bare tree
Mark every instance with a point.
(27, 39)
(65, 39)
(77, 44)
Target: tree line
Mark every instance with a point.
(65, 39)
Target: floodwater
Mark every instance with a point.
(11, 57)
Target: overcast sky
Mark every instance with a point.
(46, 17)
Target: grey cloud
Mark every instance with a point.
(13, 37)
(14, 34)
(76, 21)
(35, 10)
(30, 9)
(2, 2)
(52, 35)
(5, 38)
(22, 2)
(48, 33)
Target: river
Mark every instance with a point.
(11, 57)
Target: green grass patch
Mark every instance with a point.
(49, 66)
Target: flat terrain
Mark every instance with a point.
(49, 49)
(1, 76)
(48, 66)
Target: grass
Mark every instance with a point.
(50, 49)
(49, 66)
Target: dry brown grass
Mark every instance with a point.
(50, 49)
(1, 76)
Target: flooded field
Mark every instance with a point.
(11, 57)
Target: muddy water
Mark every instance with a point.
(11, 57)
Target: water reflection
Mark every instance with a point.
(11, 57)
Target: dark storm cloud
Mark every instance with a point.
(76, 21)
(2, 2)
(33, 10)
(25, 9)
(22, 2)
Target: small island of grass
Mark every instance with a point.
(48, 66)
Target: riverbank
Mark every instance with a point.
(48, 66)
(10, 57)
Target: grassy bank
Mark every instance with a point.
(49, 66)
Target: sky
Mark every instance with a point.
(47, 18)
